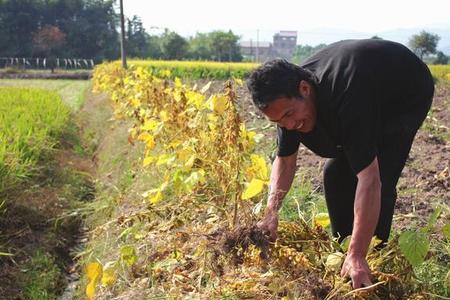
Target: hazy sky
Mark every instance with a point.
(246, 17)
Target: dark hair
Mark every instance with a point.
(274, 79)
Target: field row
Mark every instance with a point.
(222, 70)
(31, 122)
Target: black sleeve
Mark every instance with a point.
(288, 141)
(359, 117)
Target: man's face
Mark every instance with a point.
(294, 113)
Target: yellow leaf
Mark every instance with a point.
(109, 274)
(322, 219)
(190, 162)
(374, 242)
(254, 188)
(90, 290)
(259, 167)
(178, 83)
(194, 178)
(195, 98)
(164, 115)
(157, 197)
(150, 125)
(238, 81)
(94, 271)
(148, 139)
(165, 159)
(218, 103)
(135, 102)
(213, 120)
(177, 95)
(148, 160)
(128, 255)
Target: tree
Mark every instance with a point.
(302, 52)
(154, 47)
(18, 20)
(424, 43)
(199, 47)
(48, 40)
(90, 27)
(224, 46)
(441, 58)
(173, 45)
(137, 38)
(92, 31)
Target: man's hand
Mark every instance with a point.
(269, 224)
(356, 267)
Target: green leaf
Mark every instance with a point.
(446, 231)
(345, 243)
(414, 246)
(128, 255)
(433, 219)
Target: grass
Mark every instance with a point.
(302, 201)
(41, 276)
(37, 114)
(71, 91)
(32, 121)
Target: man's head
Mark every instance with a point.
(285, 93)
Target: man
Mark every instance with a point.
(359, 103)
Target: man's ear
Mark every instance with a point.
(304, 88)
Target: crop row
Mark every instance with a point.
(224, 70)
(30, 122)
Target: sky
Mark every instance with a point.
(314, 20)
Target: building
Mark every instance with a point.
(283, 45)
(255, 50)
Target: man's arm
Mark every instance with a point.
(366, 211)
(281, 177)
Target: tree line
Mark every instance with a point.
(216, 45)
(67, 28)
(423, 44)
(89, 29)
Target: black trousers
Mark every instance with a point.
(340, 181)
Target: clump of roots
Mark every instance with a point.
(238, 241)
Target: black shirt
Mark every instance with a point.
(364, 88)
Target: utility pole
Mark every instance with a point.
(257, 45)
(122, 37)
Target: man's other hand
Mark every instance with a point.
(269, 224)
(356, 267)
